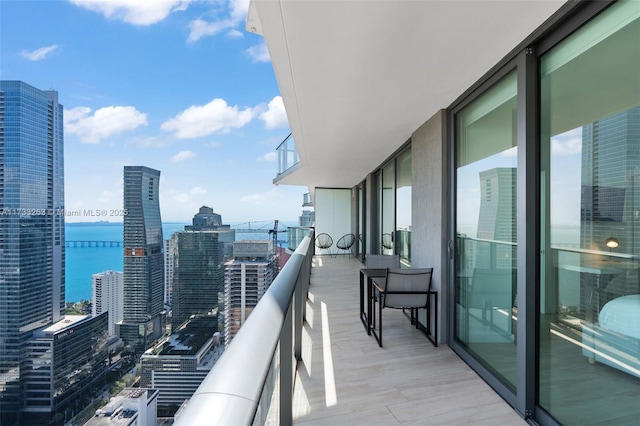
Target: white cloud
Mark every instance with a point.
(203, 120)
(568, 143)
(183, 156)
(262, 199)
(105, 196)
(275, 116)
(198, 190)
(136, 12)
(270, 156)
(236, 15)
(200, 28)
(259, 53)
(181, 197)
(105, 122)
(38, 54)
(235, 34)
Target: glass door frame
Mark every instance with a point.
(524, 60)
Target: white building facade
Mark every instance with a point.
(108, 295)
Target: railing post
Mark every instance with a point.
(299, 302)
(286, 368)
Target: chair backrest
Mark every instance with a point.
(407, 288)
(387, 241)
(382, 261)
(346, 241)
(324, 241)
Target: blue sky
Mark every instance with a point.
(176, 85)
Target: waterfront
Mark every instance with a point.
(82, 262)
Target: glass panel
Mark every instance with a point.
(361, 220)
(590, 198)
(486, 228)
(376, 244)
(403, 207)
(387, 189)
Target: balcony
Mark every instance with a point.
(288, 160)
(342, 376)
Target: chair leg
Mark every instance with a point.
(380, 321)
(376, 329)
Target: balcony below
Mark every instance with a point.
(345, 378)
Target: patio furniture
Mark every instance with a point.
(403, 289)
(345, 243)
(376, 267)
(324, 241)
(387, 243)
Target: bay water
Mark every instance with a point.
(82, 262)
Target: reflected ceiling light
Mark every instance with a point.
(612, 243)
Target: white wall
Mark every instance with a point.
(333, 213)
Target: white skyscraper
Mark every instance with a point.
(108, 295)
(247, 278)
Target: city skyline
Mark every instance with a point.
(179, 86)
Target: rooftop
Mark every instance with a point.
(66, 322)
(190, 337)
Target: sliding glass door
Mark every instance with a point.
(486, 190)
(402, 235)
(590, 217)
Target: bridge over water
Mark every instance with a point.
(92, 243)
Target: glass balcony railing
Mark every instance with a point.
(287, 156)
(252, 382)
(296, 235)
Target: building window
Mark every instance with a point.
(486, 166)
(590, 236)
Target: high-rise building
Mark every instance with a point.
(143, 262)
(178, 365)
(61, 362)
(206, 219)
(131, 407)
(108, 296)
(247, 278)
(198, 258)
(610, 196)
(497, 208)
(168, 272)
(32, 251)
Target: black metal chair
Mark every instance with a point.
(401, 289)
(382, 261)
(345, 243)
(324, 241)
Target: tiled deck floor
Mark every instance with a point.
(346, 379)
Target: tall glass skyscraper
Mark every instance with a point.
(199, 254)
(31, 226)
(143, 259)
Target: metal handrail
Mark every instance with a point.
(231, 392)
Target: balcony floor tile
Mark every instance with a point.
(346, 379)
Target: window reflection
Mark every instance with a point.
(486, 228)
(590, 290)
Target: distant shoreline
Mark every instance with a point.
(104, 222)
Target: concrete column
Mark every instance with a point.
(429, 237)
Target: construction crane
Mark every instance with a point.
(274, 233)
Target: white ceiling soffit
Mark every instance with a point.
(358, 77)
